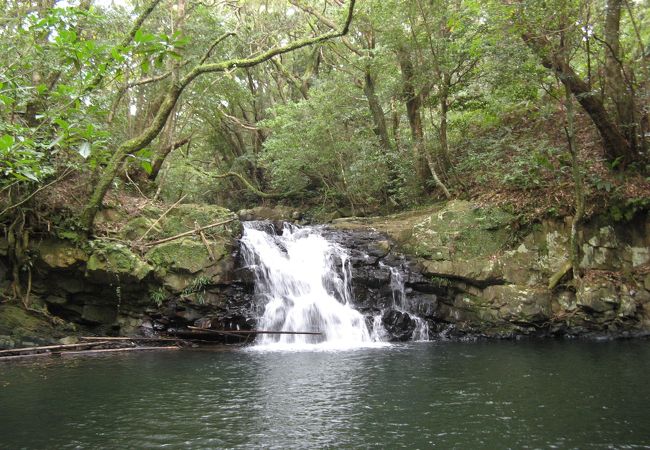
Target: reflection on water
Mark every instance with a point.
(486, 395)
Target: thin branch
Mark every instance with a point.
(265, 56)
(187, 233)
(214, 44)
(161, 217)
(101, 71)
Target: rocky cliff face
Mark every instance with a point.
(108, 287)
(463, 269)
(468, 271)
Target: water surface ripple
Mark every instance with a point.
(421, 395)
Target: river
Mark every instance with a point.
(526, 394)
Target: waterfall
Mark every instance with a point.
(303, 283)
(400, 303)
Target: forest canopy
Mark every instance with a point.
(331, 106)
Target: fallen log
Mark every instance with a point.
(126, 349)
(244, 332)
(187, 233)
(87, 352)
(126, 338)
(49, 348)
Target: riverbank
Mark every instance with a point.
(469, 270)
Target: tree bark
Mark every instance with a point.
(163, 153)
(615, 145)
(578, 185)
(617, 86)
(444, 110)
(413, 103)
(378, 116)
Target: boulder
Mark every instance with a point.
(60, 254)
(398, 324)
(113, 263)
(598, 298)
(275, 214)
(521, 304)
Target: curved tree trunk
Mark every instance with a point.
(169, 102)
(615, 144)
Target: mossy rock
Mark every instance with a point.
(21, 325)
(276, 213)
(14, 317)
(184, 255)
(59, 254)
(464, 229)
(115, 263)
(110, 215)
(136, 228)
(185, 217)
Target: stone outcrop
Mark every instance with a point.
(484, 275)
(107, 286)
(466, 270)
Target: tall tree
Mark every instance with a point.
(168, 104)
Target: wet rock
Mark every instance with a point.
(274, 214)
(424, 305)
(398, 324)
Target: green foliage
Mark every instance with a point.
(21, 159)
(625, 210)
(158, 296)
(73, 89)
(323, 146)
(197, 288)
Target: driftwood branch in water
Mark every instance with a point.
(187, 233)
(126, 338)
(64, 352)
(50, 348)
(245, 332)
(127, 349)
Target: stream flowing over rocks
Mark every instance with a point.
(452, 271)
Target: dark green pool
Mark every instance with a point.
(546, 394)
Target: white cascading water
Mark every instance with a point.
(400, 302)
(304, 282)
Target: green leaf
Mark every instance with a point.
(6, 142)
(28, 174)
(142, 37)
(6, 100)
(146, 165)
(117, 56)
(62, 123)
